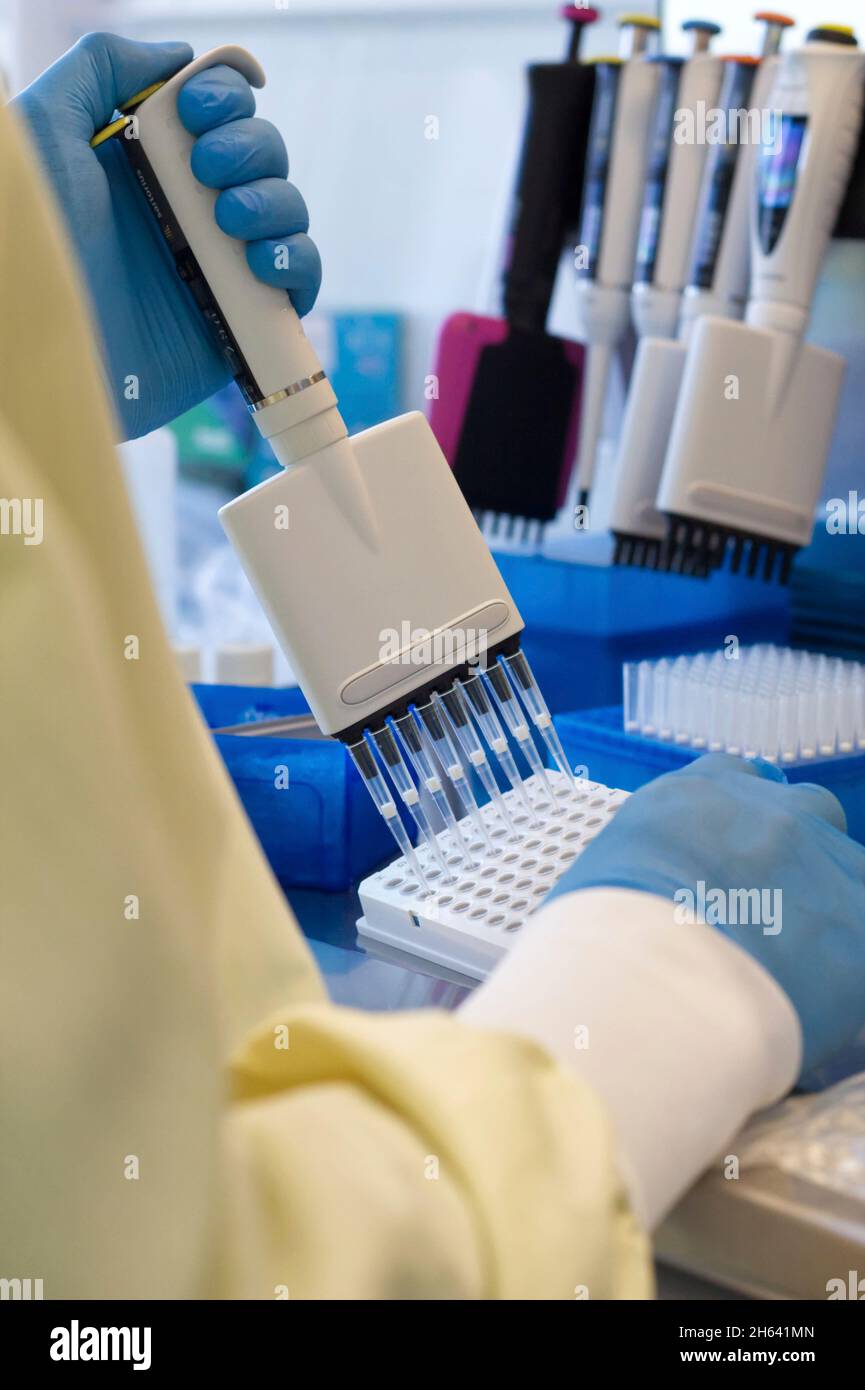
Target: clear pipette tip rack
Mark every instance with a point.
(776, 703)
(468, 924)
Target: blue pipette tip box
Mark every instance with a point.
(594, 739)
(300, 790)
(583, 621)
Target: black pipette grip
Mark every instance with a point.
(548, 193)
(851, 218)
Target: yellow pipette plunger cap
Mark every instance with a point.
(635, 30)
(123, 121)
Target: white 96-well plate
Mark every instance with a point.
(467, 925)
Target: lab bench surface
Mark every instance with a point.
(770, 1235)
(355, 977)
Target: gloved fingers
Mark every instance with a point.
(809, 798)
(291, 263)
(770, 772)
(103, 71)
(213, 98)
(721, 766)
(239, 152)
(264, 208)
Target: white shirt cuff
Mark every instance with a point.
(680, 1031)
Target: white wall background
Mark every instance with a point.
(741, 33)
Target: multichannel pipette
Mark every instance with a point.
(718, 284)
(654, 252)
(744, 466)
(335, 545)
(616, 161)
(641, 197)
(721, 258)
(688, 90)
(506, 407)
(371, 620)
(443, 736)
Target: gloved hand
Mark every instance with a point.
(159, 357)
(727, 824)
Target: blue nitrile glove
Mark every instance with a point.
(159, 357)
(727, 824)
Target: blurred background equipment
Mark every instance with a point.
(744, 468)
(506, 394)
(620, 147)
(717, 284)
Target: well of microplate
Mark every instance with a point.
(467, 924)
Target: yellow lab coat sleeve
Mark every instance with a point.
(184, 1113)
